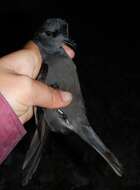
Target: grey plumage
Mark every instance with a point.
(59, 71)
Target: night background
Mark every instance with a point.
(107, 59)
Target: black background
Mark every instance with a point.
(107, 59)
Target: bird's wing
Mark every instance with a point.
(33, 154)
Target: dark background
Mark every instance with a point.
(107, 58)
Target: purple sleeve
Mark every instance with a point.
(11, 129)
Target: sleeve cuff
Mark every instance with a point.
(11, 129)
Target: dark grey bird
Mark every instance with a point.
(59, 71)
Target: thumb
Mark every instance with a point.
(48, 97)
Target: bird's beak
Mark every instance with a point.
(70, 43)
(89, 136)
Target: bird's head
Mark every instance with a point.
(53, 34)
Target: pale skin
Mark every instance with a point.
(18, 84)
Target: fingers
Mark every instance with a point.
(45, 96)
(69, 51)
(25, 62)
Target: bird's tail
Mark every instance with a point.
(89, 136)
(34, 152)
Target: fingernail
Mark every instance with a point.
(66, 96)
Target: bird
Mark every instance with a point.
(60, 72)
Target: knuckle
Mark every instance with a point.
(56, 99)
(53, 97)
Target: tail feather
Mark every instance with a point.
(89, 136)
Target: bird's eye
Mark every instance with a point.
(49, 33)
(52, 34)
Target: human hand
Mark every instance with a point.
(18, 72)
